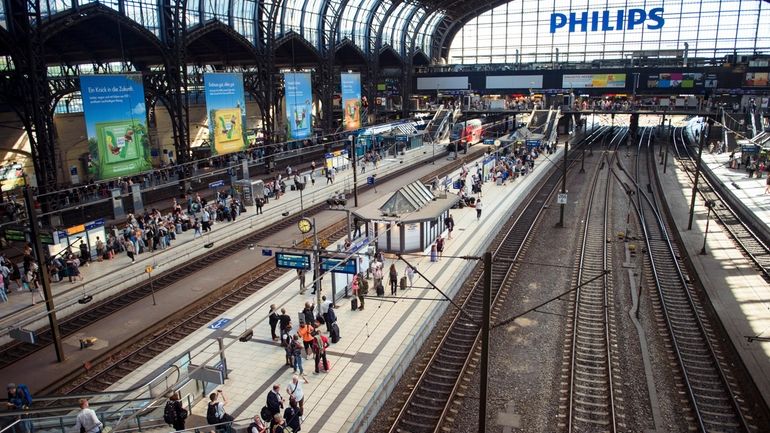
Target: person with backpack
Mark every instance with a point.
(320, 344)
(215, 412)
(334, 329)
(363, 290)
(174, 413)
(19, 397)
(86, 420)
(292, 415)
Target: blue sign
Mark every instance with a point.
(220, 323)
(292, 261)
(531, 144)
(267, 253)
(604, 21)
(340, 266)
(350, 85)
(217, 184)
(299, 104)
(370, 180)
(489, 141)
(402, 139)
(749, 148)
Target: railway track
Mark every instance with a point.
(427, 407)
(123, 360)
(747, 240)
(591, 391)
(709, 386)
(15, 351)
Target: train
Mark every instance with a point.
(466, 133)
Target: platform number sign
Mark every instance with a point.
(219, 323)
(561, 198)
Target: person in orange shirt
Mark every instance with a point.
(306, 332)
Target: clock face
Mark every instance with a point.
(304, 225)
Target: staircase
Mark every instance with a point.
(439, 126)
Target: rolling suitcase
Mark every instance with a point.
(335, 333)
(354, 304)
(380, 289)
(403, 283)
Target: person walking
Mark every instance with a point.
(478, 209)
(393, 279)
(273, 320)
(409, 271)
(449, 223)
(86, 420)
(301, 276)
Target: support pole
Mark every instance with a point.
(53, 322)
(487, 301)
(355, 172)
(583, 162)
(563, 184)
(709, 205)
(222, 359)
(665, 155)
(316, 268)
(697, 176)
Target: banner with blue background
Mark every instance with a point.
(299, 104)
(226, 108)
(116, 125)
(351, 100)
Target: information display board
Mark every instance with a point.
(292, 261)
(349, 266)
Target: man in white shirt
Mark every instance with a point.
(87, 420)
(325, 311)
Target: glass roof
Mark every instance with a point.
(360, 21)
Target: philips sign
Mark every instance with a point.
(604, 21)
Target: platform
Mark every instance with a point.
(377, 343)
(739, 294)
(103, 279)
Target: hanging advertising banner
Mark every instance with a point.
(351, 100)
(116, 125)
(671, 80)
(593, 81)
(226, 107)
(299, 104)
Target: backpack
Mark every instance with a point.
(169, 413)
(265, 414)
(22, 392)
(211, 414)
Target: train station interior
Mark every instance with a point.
(385, 216)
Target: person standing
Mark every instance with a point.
(325, 311)
(274, 400)
(259, 202)
(175, 413)
(273, 320)
(285, 322)
(306, 332)
(296, 351)
(130, 251)
(86, 420)
(216, 414)
(478, 209)
(312, 172)
(363, 290)
(440, 246)
(393, 279)
(320, 344)
(293, 415)
(296, 394)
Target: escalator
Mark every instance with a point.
(538, 121)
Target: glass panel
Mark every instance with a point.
(243, 18)
(710, 27)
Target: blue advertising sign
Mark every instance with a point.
(608, 20)
(299, 104)
(351, 100)
(220, 323)
(226, 108)
(116, 125)
(216, 184)
(349, 266)
(292, 261)
(531, 144)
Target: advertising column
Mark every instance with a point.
(299, 104)
(226, 107)
(351, 100)
(116, 125)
